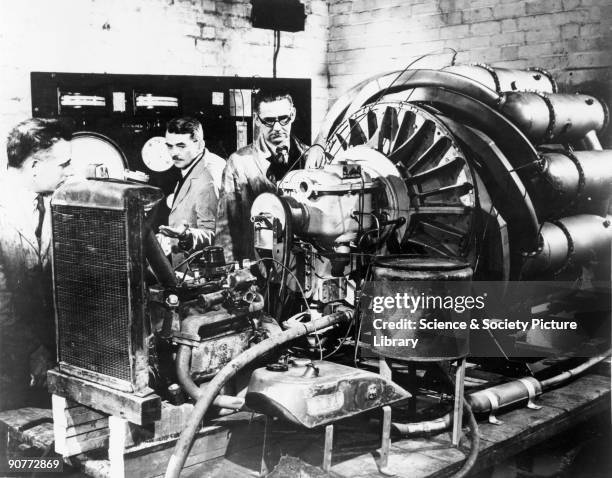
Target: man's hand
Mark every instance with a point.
(165, 243)
(174, 232)
(183, 234)
(40, 362)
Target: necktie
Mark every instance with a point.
(278, 165)
(40, 206)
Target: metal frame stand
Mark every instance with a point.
(385, 371)
(328, 446)
(263, 469)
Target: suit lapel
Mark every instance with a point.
(193, 176)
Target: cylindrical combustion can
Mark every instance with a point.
(429, 308)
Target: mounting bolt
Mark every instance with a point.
(372, 392)
(172, 300)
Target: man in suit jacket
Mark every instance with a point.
(38, 153)
(193, 206)
(256, 169)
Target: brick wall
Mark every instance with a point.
(344, 42)
(175, 37)
(570, 38)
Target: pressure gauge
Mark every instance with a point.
(155, 154)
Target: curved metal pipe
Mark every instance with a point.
(469, 463)
(443, 423)
(183, 360)
(518, 390)
(568, 374)
(592, 142)
(159, 264)
(519, 393)
(181, 450)
(425, 427)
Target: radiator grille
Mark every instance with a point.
(92, 289)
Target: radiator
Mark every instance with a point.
(98, 281)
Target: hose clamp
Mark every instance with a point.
(493, 74)
(547, 74)
(606, 112)
(552, 121)
(531, 392)
(570, 246)
(493, 400)
(581, 181)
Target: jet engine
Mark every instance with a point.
(489, 166)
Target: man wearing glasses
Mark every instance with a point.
(256, 169)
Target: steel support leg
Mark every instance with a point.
(458, 407)
(328, 447)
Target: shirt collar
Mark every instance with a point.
(265, 150)
(187, 170)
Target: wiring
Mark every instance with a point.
(399, 75)
(344, 339)
(297, 282)
(187, 262)
(189, 259)
(291, 274)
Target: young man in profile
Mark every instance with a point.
(39, 157)
(256, 169)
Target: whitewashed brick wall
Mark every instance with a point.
(571, 38)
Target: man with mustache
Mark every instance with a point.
(256, 169)
(39, 161)
(193, 206)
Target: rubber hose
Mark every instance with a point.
(469, 463)
(183, 363)
(183, 445)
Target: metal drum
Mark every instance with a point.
(426, 277)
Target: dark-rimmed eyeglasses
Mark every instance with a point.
(283, 120)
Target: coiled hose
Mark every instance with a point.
(208, 394)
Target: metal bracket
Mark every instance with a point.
(494, 407)
(532, 394)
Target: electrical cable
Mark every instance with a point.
(276, 47)
(292, 275)
(344, 339)
(189, 259)
(386, 90)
